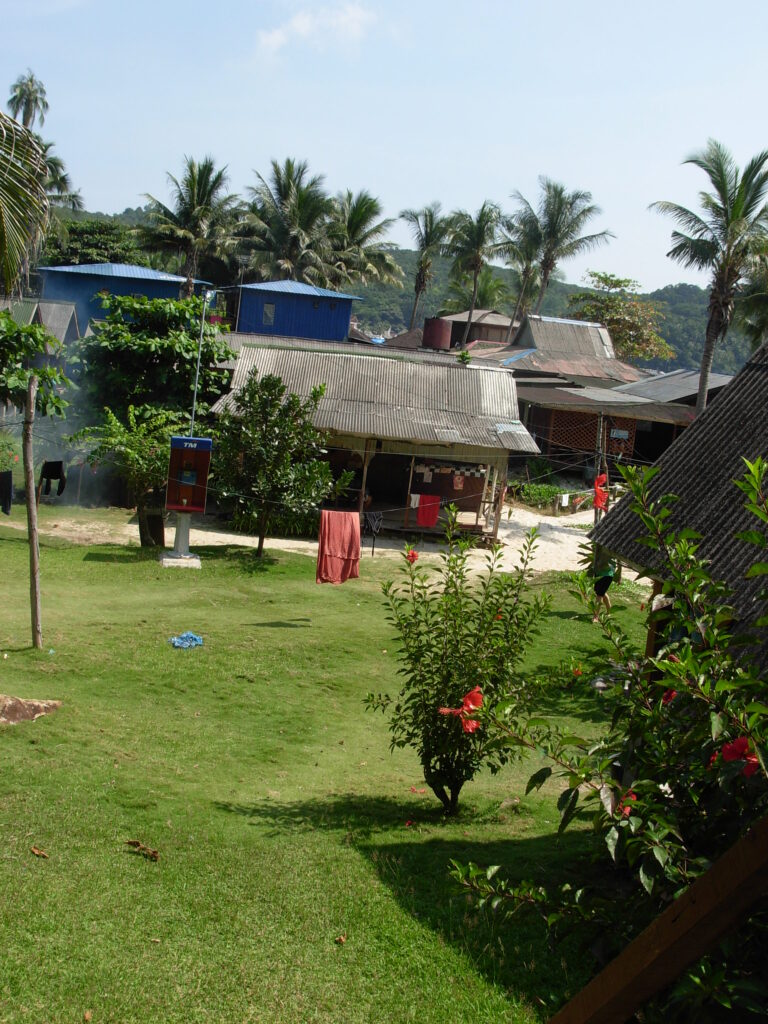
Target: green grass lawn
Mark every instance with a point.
(278, 811)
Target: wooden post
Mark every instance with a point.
(29, 484)
(366, 460)
(408, 496)
(683, 934)
(482, 497)
(500, 503)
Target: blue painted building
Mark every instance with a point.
(81, 285)
(293, 309)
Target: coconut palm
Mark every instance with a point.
(23, 198)
(58, 183)
(521, 244)
(429, 230)
(724, 239)
(286, 227)
(561, 217)
(492, 293)
(751, 312)
(355, 232)
(28, 99)
(471, 244)
(200, 224)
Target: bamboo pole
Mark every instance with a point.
(408, 496)
(29, 484)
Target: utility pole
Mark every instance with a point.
(29, 486)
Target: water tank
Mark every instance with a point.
(437, 333)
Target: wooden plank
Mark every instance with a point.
(408, 495)
(684, 933)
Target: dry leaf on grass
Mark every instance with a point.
(144, 851)
(38, 852)
(88, 1015)
(341, 939)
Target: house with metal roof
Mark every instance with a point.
(487, 325)
(81, 284)
(700, 468)
(293, 309)
(411, 426)
(675, 386)
(58, 318)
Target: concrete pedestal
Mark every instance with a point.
(180, 556)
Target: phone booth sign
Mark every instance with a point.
(188, 474)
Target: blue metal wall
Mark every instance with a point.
(81, 289)
(297, 316)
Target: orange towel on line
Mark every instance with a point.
(338, 547)
(428, 510)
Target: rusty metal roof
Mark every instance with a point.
(394, 397)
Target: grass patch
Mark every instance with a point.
(278, 811)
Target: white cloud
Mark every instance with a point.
(345, 22)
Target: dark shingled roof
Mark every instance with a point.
(700, 468)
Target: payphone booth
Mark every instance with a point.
(188, 474)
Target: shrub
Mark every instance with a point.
(462, 640)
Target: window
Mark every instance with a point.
(268, 316)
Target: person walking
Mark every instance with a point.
(604, 572)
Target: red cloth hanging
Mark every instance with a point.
(601, 493)
(428, 510)
(338, 547)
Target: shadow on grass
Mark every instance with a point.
(302, 623)
(123, 555)
(518, 952)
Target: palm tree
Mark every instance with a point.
(492, 293)
(28, 99)
(201, 222)
(561, 217)
(521, 244)
(355, 231)
(58, 183)
(287, 225)
(724, 240)
(429, 233)
(751, 312)
(471, 244)
(23, 198)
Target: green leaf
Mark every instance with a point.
(646, 878)
(717, 724)
(758, 569)
(538, 779)
(611, 841)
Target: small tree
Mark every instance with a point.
(138, 449)
(632, 321)
(145, 353)
(462, 641)
(30, 379)
(268, 452)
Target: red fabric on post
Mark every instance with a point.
(428, 510)
(601, 494)
(338, 547)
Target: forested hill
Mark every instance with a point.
(684, 307)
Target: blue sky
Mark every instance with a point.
(414, 100)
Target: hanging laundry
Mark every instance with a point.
(6, 491)
(53, 471)
(429, 510)
(338, 547)
(415, 500)
(427, 476)
(458, 482)
(601, 494)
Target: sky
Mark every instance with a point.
(414, 100)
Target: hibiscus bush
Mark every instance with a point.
(678, 777)
(462, 639)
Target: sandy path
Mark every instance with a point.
(557, 548)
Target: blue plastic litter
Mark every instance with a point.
(186, 640)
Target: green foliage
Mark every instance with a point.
(268, 453)
(535, 494)
(138, 448)
(465, 358)
(145, 353)
(633, 322)
(492, 293)
(681, 773)
(459, 636)
(23, 197)
(92, 241)
(9, 456)
(24, 352)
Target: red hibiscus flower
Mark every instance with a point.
(668, 696)
(470, 702)
(624, 807)
(473, 699)
(577, 671)
(412, 555)
(739, 750)
(469, 724)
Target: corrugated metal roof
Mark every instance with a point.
(22, 310)
(128, 270)
(575, 366)
(57, 317)
(674, 386)
(565, 337)
(700, 467)
(491, 317)
(594, 400)
(395, 398)
(298, 288)
(427, 355)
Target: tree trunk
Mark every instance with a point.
(518, 305)
(542, 290)
(263, 527)
(145, 537)
(413, 311)
(188, 288)
(465, 336)
(29, 485)
(717, 325)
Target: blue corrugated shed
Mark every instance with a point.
(296, 310)
(81, 284)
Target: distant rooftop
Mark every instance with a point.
(298, 288)
(129, 270)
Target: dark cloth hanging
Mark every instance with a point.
(53, 471)
(6, 491)
(338, 547)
